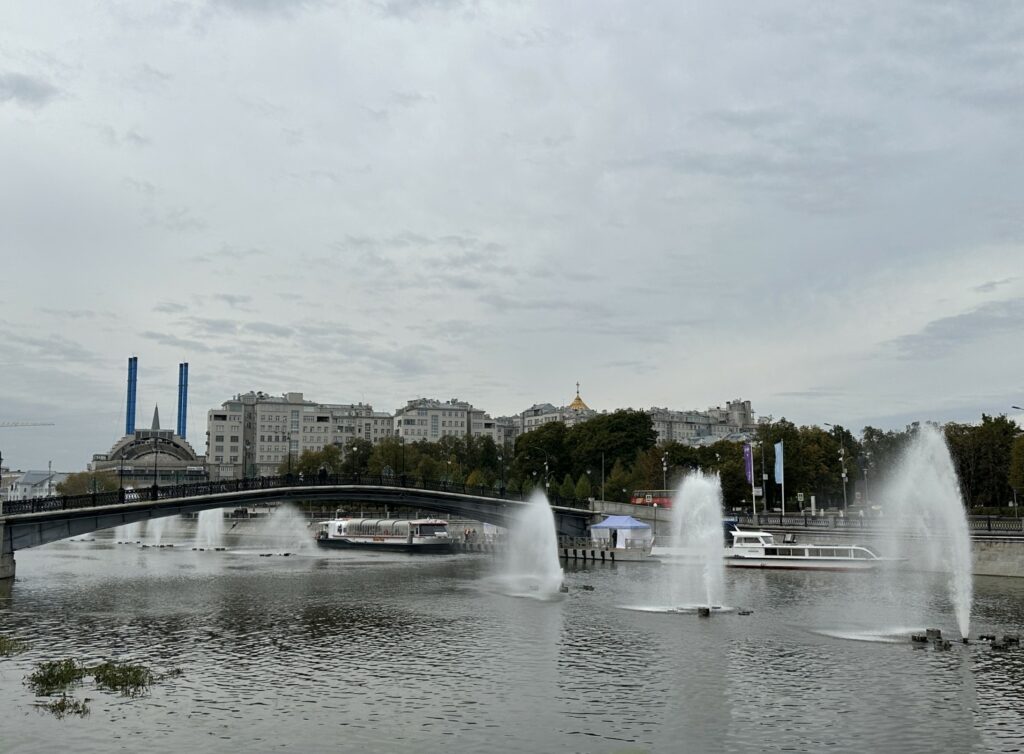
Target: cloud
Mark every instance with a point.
(28, 91)
(113, 138)
(170, 307)
(234, 300)
(991, 285)
(944, 336)
(268, 7)
(178, 219)
(267, 328)
(173, 341)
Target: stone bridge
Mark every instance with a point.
(30, 523)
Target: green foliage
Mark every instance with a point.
(982, 454)
(619, 484)
(1016, 477)
(55, 675)
(9, 646)
(567, 489)
(477, 478)
(85, 482)
(66, 705)
(583, 488)
(128, 678)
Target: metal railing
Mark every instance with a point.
(198, 489)
(981, 524)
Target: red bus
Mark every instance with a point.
(663, 498)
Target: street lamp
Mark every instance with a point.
(655, 519)
(842, 458)
(664, 474)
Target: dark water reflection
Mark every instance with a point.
(390, 653)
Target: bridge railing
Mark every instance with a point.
(196, 489)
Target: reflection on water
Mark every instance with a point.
(327, 651)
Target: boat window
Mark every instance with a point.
(814, 552)
(862, 554)
(770, 551)
(430, 530)
(768, 539)
(843, 552)
(785, 551)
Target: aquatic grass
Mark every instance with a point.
(130, 679)
(9, 646)
(56, 675)
(66, 705)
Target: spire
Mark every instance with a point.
(156, 417)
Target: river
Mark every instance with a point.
(339, 651)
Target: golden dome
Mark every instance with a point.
(577, 402)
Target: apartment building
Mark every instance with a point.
(252, 434)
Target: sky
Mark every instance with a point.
(816, 208)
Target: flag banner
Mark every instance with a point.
(748, 462)
(778, 462)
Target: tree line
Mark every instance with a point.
(614, 454)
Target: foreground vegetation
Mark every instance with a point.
(53, 677)
(620, 448)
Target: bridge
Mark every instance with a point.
(30, 523)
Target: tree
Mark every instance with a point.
(619, 484)
(617, 436)
(85, 482)
(567, 490)
(477, 478)
(583, 490)
(289, 465)
(1016, 476)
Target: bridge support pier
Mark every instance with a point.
(7, 566)
(6, 555)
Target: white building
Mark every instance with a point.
(32, 484)
(252, 434)
(703, 427)
(540, 414)
(430, 419)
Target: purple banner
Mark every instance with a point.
(748, 462)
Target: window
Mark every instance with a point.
(219, 438)
(234, 438)
(234, 459)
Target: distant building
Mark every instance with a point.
(32, 484)
(735, 421)
(430, 419)
(540, 414)
(151, 456)
(252, 434)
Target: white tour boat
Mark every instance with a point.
(417, 535)
(758, 549)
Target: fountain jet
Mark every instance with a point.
(927, 519)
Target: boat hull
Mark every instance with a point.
(801, 564)
(340, 543)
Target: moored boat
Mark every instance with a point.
(758, 549)
(416, 535)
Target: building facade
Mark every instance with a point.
(151, 456)
(33, 484)
(703, 427)
(540, 414)
(430, 419)
(253, 433)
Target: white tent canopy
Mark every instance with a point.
(622, 532)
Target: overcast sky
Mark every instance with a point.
(817, 208)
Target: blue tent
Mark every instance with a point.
(621, 522)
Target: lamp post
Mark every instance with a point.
(664, 474)
(842, 458)
(655, 519)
